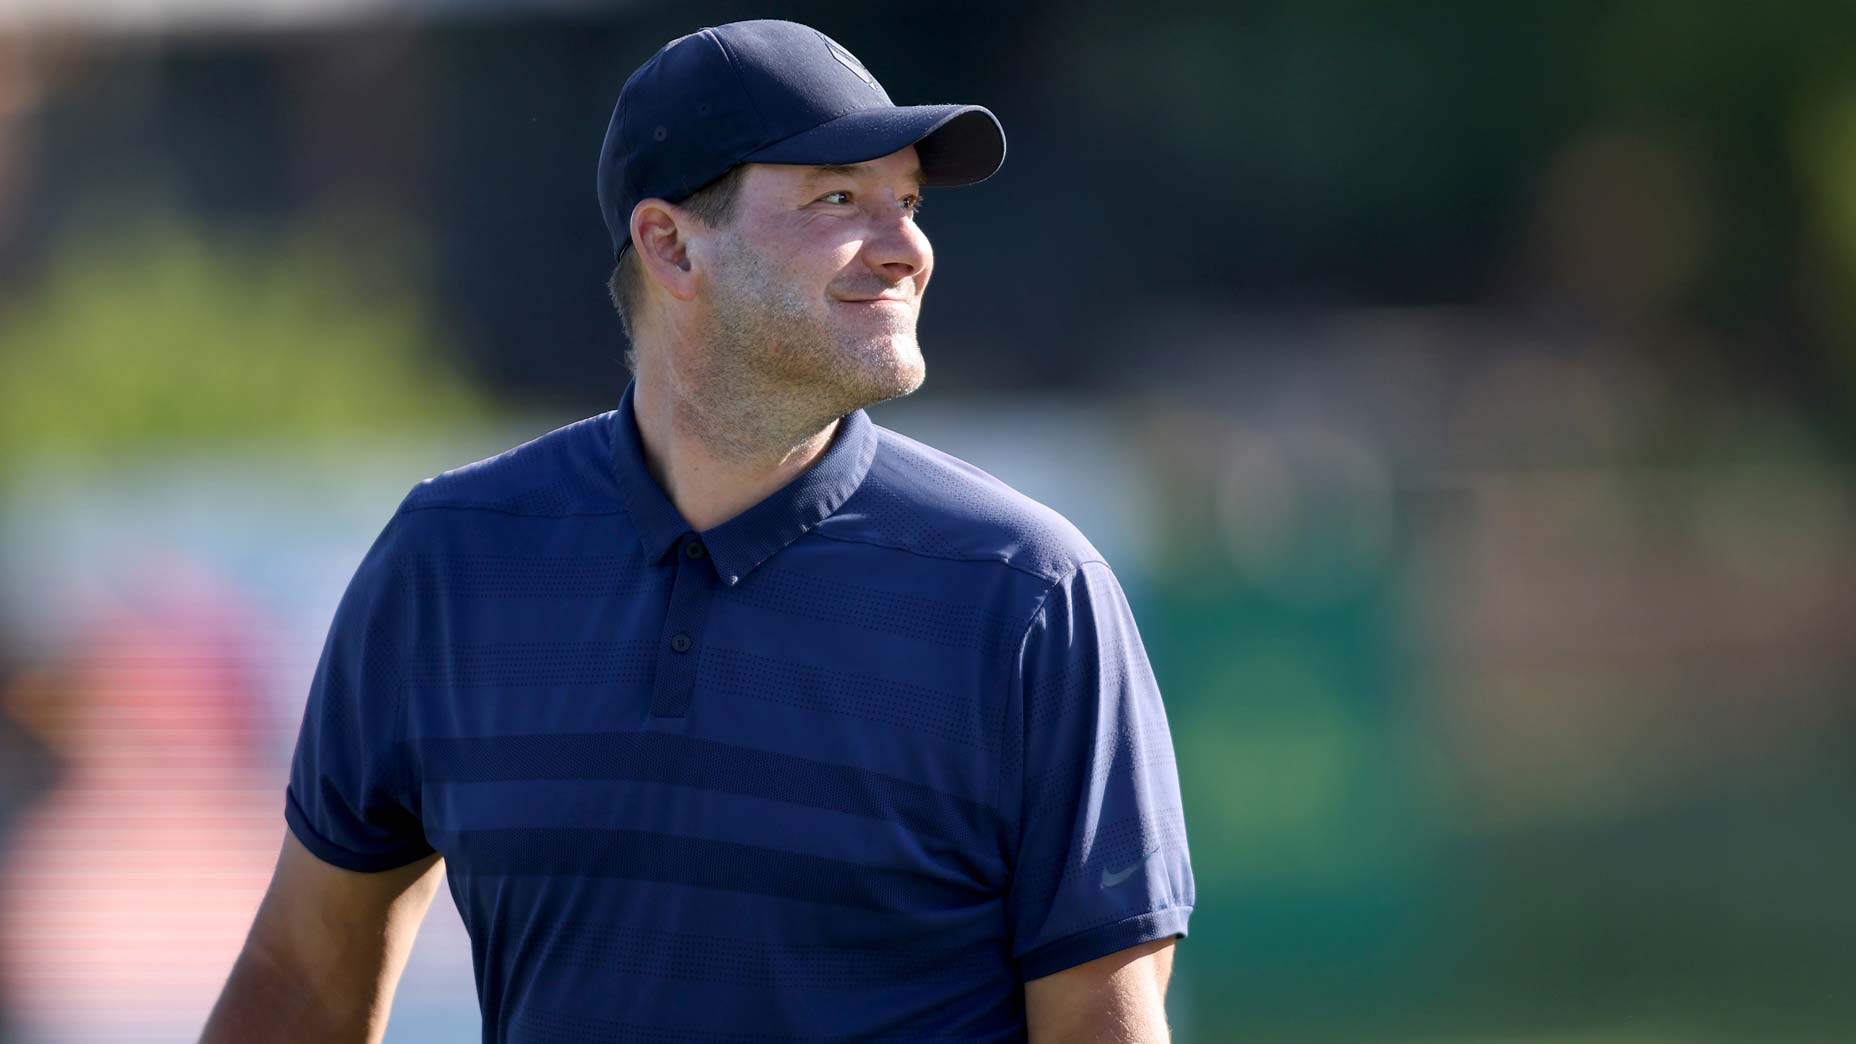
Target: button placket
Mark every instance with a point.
(690, 596)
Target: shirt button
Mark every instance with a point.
(693, 549)
(680, 642)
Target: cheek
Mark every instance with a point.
(819, 242)
(839, 255)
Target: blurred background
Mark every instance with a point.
(1465, 394)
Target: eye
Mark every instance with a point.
(911, 203)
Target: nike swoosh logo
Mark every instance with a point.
(1111, 880)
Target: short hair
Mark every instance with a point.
(714, 205)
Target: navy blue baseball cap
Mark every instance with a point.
(768, 91)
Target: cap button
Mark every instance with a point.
(659, 134)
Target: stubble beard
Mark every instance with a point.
(777, 368)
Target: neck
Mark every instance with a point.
(715, 459)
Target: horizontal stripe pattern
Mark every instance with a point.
(520, 665)
(697, 957)
(530, 1026)
(640, 855)
(478, 575)
(729, 673)
(831, 600)
(657, 757)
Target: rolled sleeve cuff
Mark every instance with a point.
(1085, 946)
(336, 855)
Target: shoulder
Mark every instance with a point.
(565, 472)
(922, 500)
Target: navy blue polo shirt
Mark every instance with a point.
(856, 763)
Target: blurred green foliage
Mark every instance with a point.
(165, 337)
(1356, 883)
(1825, 141)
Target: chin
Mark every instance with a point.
(888, 371)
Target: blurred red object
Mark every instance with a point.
(128, 889)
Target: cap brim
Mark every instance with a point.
(957, 144)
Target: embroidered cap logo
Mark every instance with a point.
(849, 61)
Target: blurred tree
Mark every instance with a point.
(164, 336)
(1825, 141)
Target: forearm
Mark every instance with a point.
(1117, 999)
(1143, 1023)
(324, 954)
(262, 1003)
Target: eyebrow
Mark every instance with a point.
(824, 170)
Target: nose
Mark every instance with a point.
(897, 248)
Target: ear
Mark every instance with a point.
(657, 236)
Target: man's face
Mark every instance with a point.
(816, 285)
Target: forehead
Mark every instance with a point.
(900, 166)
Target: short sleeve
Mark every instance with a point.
(1090, 790)
(350, 796)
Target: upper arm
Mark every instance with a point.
(356, 872)
(342, 934)
(1117, 998)
(1090, 799)
(354, 797)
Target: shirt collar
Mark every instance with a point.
(740, 544)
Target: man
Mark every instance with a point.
(731, 715)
